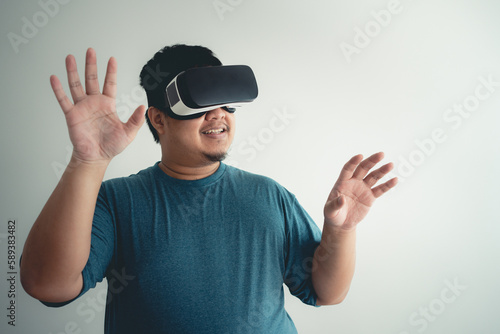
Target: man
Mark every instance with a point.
(189, 245)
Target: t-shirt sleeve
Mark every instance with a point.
(101, 247)
(303, 237)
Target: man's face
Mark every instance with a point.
(201, 140)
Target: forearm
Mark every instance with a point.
(58, 245)
(333, 264)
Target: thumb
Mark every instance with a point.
(135, 121)
(332, 207)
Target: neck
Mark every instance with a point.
(182, 172)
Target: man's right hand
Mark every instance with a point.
(58, 245)
(96, 132)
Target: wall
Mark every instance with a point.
(419, 80)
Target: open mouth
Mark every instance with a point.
(213, 131)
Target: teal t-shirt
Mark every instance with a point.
(202, 256)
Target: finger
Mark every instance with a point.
(348, 169)
(61, 97)
(384, 187)
(75, 87)
(376, 175)
(365, 166)
(135, 121)
(110, 80)
(91, 82)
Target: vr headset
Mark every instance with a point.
(197, 90)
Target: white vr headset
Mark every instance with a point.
(197, 90)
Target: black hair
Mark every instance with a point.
(164, 66)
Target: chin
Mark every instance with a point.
(215, 157)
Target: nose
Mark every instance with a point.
(218, 113)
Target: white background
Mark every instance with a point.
(440, 224)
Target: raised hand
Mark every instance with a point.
(96, 132)
(353, 195)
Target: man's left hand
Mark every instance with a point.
(353, 195)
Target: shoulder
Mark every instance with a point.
(244, 175)
(257, 183)
(145, 178)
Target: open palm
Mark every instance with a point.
(352, 195)
(96, 132)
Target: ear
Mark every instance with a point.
(157, 119)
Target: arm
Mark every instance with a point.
(333, 265)
(348, 203)
(58, 245)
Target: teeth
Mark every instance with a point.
(213, 131)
